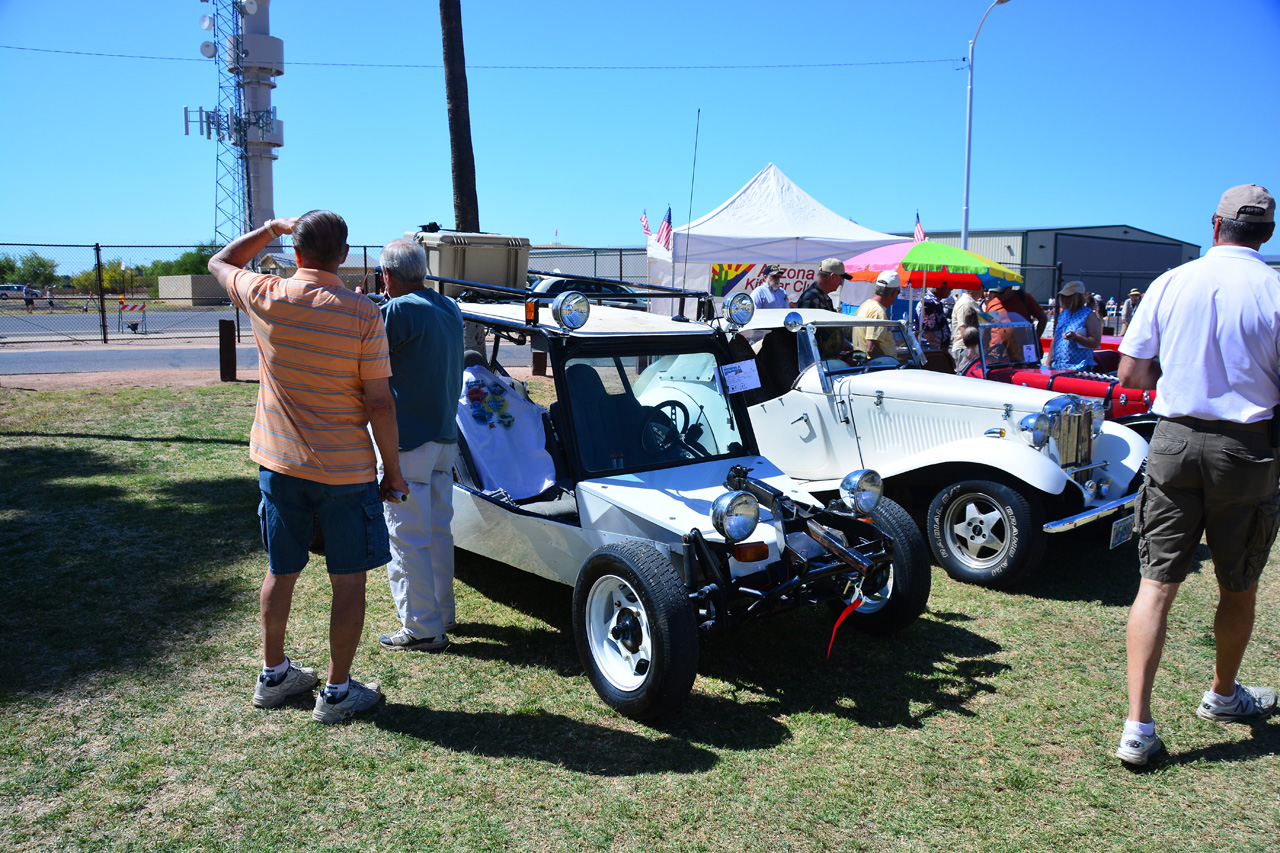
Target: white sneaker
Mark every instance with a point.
(1138, 749)
(1249, 704)
(358, 698)
(272, 694)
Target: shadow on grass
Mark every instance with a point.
(159, 439)
(98, 578)
(936, 666)
(1083, 568)
(552, 738)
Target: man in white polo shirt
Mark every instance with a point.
(1207, 338)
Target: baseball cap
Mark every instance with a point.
(1247, 203)
(1072, 288)
(772, 269)
(889, 278)
(833, 266)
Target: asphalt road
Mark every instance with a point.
(92, 359)
(95, 357)
(54, 326)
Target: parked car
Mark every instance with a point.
(14, 290)
(614, 293)
(990, 470)
(1009, 355)
(662, 515)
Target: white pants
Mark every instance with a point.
(421, 569)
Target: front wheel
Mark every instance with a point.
(901, 595)
(636, 632)
(985, 533)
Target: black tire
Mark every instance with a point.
(905, 593)
(636, 632)
(1004, 542)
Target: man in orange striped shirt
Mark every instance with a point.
(322, 355)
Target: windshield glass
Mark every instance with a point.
(1009, 344)
(634, 411)
(864, 344)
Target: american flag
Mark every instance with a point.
(664, 230)
(919, 235)
(644, 222)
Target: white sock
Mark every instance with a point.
(1220, 699)
(337, 689)
(273, 672)
(1133, 727)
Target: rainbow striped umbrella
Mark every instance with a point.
(929, 264)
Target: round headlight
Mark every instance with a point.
(735, 515)
(571, 310)
(1099, 414)
(793, 321)
(739, 309)
(1035, 429)
(861, 491)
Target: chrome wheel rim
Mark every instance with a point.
(978, 530)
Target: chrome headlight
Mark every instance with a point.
(739, 309)
(735, 515)
(861, 491)
(1099, 414)
(1035, 429)
(571, 310)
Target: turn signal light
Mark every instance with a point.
(751, 552)
(531, 313)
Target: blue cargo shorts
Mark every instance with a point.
(350, 518)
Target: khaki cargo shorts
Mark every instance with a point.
(1214, 479)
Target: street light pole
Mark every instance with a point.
(968, 131)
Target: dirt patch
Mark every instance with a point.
(119, 379)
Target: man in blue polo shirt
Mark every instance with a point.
(424, 336)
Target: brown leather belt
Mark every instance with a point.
(1221, 426)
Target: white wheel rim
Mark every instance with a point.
(978, 530)
(618, 633)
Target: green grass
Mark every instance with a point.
(128, 605)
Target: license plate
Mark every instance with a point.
(1121, 530)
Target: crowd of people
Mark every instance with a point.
(355, 434)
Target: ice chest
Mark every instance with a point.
(484, 258)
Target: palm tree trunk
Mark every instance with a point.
(466, 206)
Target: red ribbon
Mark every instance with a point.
(853, 605)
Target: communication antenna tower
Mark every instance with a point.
(243, 123)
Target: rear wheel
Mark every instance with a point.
(899, 597)
(636, 632)
(985, 533)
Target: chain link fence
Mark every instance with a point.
(92, 293)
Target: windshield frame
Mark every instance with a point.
(985, 348)
(565, 352)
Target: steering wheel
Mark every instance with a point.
(662, 428)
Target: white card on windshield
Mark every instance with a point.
(1029, 353)
(740, 376)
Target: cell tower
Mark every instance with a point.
(244, 122)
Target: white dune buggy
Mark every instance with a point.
(657, 507)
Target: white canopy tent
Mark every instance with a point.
(770, 220)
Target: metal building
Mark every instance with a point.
(1109, 259)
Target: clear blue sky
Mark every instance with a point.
(1086, 112)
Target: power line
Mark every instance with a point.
(514, 67)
